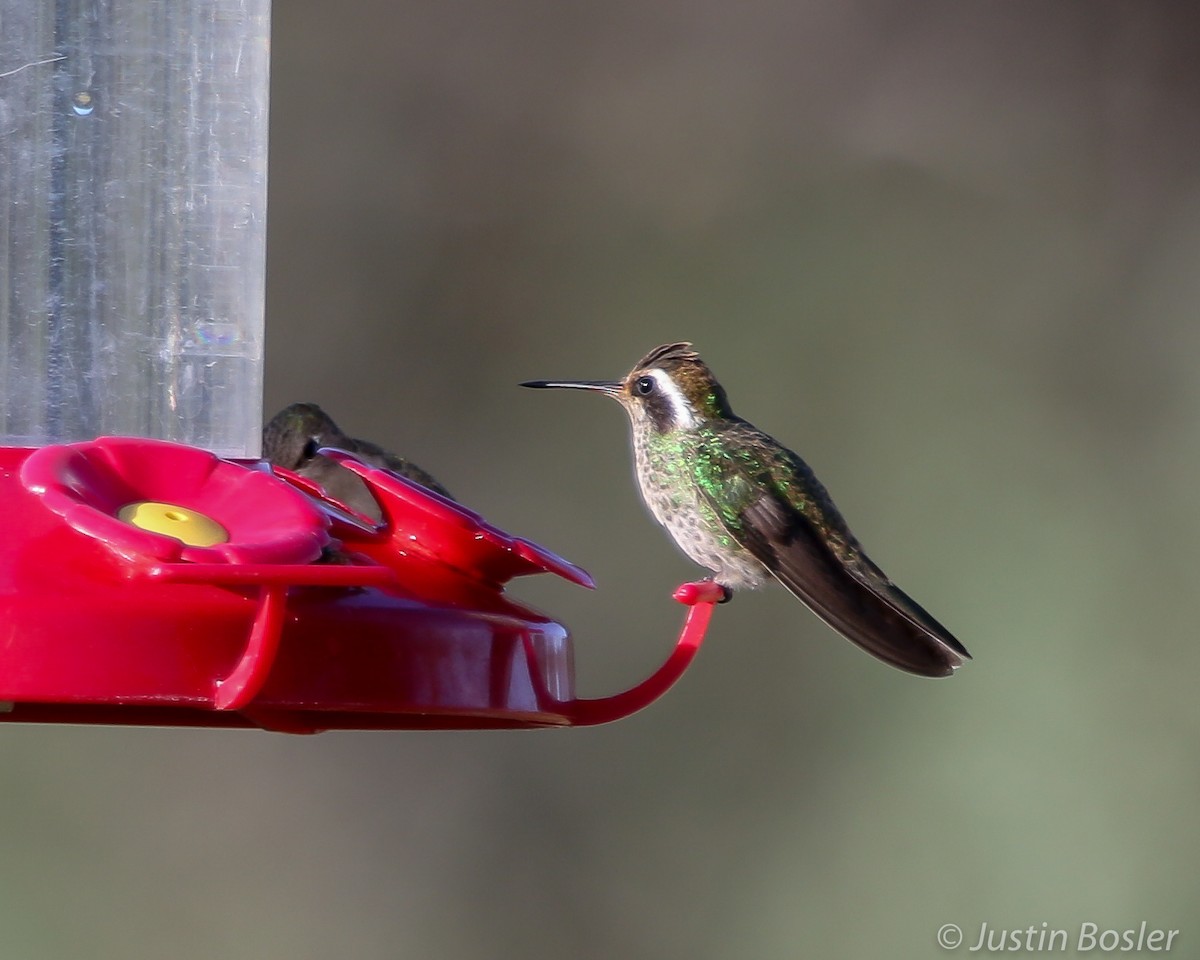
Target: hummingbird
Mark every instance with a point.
(749, 510)
(293, 436)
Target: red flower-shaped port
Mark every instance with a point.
(90, 484)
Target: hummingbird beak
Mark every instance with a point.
(610, 388)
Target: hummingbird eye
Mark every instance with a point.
(644, 386)
(310, 449)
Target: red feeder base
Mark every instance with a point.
(305, 617)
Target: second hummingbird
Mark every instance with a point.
(294, 435)
(748, 509)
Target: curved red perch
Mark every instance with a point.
(700, 598)
(247, 678)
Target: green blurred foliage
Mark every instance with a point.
(947, 252)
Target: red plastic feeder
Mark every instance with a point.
(146, 582)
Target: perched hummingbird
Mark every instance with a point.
(294, 435)
(746, 508)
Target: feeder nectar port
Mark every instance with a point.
(190, 526)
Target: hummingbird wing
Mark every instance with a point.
(378, 456)
(772, 504)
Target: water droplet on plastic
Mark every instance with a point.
(83, 103)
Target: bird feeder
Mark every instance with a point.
(154, 571)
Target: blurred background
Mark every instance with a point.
(947, 252)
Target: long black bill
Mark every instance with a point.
(609, 387)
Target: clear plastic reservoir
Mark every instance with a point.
(133, 169)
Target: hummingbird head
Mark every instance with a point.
(669, 389)
(295, 434)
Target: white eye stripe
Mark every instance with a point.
(681, 410)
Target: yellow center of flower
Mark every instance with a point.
(190, 526)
